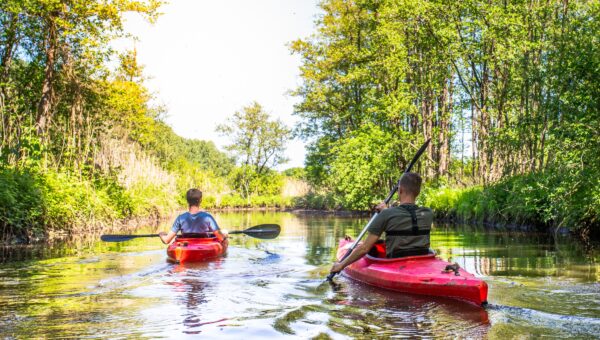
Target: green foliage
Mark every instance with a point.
(18, 215)
(178, 154)
(517, 81)
(257, 140)
(356, 173)
(248, 182)
(69, 202)
(258, 201)
(295, 173)
(151, 200)
(33, 202)
(325, 201)
(378, 77)
(551, 198)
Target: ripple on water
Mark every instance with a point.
(276, 289)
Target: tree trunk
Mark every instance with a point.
(444, 133)
(44, 117)
(5, 65)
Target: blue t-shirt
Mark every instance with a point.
(195, 223)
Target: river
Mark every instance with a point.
(538, 286)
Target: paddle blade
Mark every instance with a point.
(262, 231)
(122, 238)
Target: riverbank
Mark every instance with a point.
(41, 205)
(37, 206)
(551, 200)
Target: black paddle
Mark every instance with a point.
(122, 238)
(261, 231)
(387, 201)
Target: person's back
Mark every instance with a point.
(200, 222)
(195, 221)
(402, 236)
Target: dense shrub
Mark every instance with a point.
(32, 202)
(551, 198)
(324, 201)
(21, 203)
(259, 201)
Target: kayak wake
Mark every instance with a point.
(572, 324)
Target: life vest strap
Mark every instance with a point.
(415, 226)
(411, 232)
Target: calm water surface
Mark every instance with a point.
(538, 287)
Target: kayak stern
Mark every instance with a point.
(196, 249)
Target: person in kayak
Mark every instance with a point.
(406, 226)
(195, 221)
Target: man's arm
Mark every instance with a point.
(356, 254)
(167, 238)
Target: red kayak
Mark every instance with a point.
(196, 249)
(424, 274)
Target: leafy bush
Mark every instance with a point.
(259, 201)
(232, 201)
(32, 202)
(313, 200)
(21, 203)
(151, 200)
(558, 197)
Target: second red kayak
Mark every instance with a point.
(196, 249)
(423, 275)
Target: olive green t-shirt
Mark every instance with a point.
(399, 219)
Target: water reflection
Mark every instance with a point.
(381, 313)
(274, 288)
(192, 287)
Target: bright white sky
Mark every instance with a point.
(208, 59)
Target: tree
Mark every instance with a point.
(259, 144)
(54, 77)
(518, 77)
(257, 140)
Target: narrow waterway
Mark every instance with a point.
(538, 286)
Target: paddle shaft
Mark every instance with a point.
(263, 231)
(122, 238)
(387, 201)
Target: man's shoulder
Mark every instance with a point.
(425, 209)
(183, 215)
(400, 210)
(391, 211)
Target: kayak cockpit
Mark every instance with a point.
(209, 234)
(377, 254)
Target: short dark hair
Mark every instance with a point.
(194, 197)
(411, 183)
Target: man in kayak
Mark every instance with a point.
(406, 226)
(195, 221)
